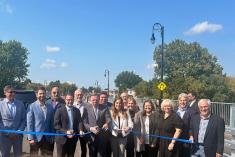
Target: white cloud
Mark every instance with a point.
(6, 7)
(52, 49)
(151, 66)
(50, 63)
(63, 65)
(203, 27)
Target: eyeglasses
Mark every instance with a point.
(10, 92)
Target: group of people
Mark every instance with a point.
(118, 129)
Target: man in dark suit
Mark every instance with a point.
(193, 103)
(56, 101)
(185, 114)
(207, 132)
(104, 101)
(97, 120)
(67, 120)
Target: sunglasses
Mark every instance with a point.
(10, 92)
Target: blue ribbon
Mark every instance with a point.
(41, 133)
(164, 137)
(87, 133)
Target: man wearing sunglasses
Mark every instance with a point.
(12, 117)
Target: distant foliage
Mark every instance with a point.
(127, 80)
(188, 66)
(13, 64)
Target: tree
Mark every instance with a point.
(188, 66)
(127, 80)
(13, 65)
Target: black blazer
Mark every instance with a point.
(194, 108)
(186, 123)
(214, 136)
(61, 122)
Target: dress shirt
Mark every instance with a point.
(96, 110)
(80, 107)
(69, 110)
(11, 106)
(54, 103)
(202, 128)
(44, 109)
(181, 112)
(146, 124)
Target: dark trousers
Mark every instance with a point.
(108, 143)
(149, 152)
(83, 143)
(45, 147)
(97, 146)
(184, 149)
(67, 149)
(130, 145)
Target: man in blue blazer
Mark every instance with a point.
(40, 117)
(12, 117)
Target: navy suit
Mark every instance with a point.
(61, 122)
(10, 122)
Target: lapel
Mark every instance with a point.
(17, 112)
(6, 108)
(93, 112)
(197, 122)
(210, 124)
(66, 117)
(151, 123)
(73, 115)
(100, 108)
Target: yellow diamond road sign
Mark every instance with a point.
(162, 86)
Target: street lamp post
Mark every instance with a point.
(106, 73)
(159, 28)
(97, 85)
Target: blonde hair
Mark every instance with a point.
(167, 102)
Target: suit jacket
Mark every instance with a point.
(37, 122)
(214, 136)
(124, 122)
(139, 126)
(61, 123)
(194, 107)
(186, 122)
(60, 103)
(7, 121)
(90, 119)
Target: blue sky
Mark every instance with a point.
(76, 40)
